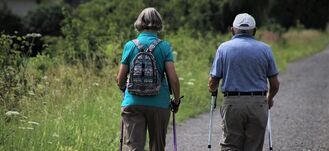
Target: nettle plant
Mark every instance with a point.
(14, 55)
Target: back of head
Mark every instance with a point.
(149, 19)
(244, 23)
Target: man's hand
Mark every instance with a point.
(270, 103)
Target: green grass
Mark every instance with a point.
(77, 110)
(296, 45)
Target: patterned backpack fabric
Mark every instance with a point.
(144, 78)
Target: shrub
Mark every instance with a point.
(45, 19)
(12, 74)
(92, 26)
(9, 22)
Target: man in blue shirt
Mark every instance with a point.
(245, 66)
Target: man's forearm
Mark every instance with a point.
(272, 92)
(274, 87)
(213, 84)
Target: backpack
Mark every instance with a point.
(144, 78)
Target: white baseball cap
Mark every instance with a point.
(244, 21)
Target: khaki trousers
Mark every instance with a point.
(244, 120)
(139, 119)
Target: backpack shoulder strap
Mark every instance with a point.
(138, 44)
(153, 45)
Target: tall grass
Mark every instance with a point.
(79, 111)
(72, 108)
(296, 44)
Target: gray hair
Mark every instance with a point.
(240, 31)
(149, 19)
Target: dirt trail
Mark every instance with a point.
(300, 116)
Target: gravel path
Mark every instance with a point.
(300, 116)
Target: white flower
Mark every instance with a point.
(12, 113)
(31, 93)
(33, 123)
(181, 78)
(95, 84)
(189, 83)
(55, 135)
(26, 128)
(44, 78)
(34, 35)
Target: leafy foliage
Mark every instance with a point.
(9, 23)
(310, 13)
(13, 83)
(89, 28)
(45, 19)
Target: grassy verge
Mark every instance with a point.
(296, 45)
(78, 110)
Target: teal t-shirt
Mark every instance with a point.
(162, 54)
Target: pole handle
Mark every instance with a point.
(214, 93)
(213, 99)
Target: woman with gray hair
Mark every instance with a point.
(142, 110)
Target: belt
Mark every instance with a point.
(235, 93)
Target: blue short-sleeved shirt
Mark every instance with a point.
(162, 54)
(244, 64)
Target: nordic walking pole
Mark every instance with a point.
(121, 135)
(269, 130)
(174, 127)
(212, 108)
(122, 125)
(174, 131)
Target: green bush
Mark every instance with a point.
(13, 83)
(45, 19)
(92, 26)
(9, 23)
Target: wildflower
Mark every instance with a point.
(95, 84)
(26, 128)
(12, 113)
(55, 135)
(31, 93)
(189, 83)
(34, 35)
(44, 78)
(33, 123)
